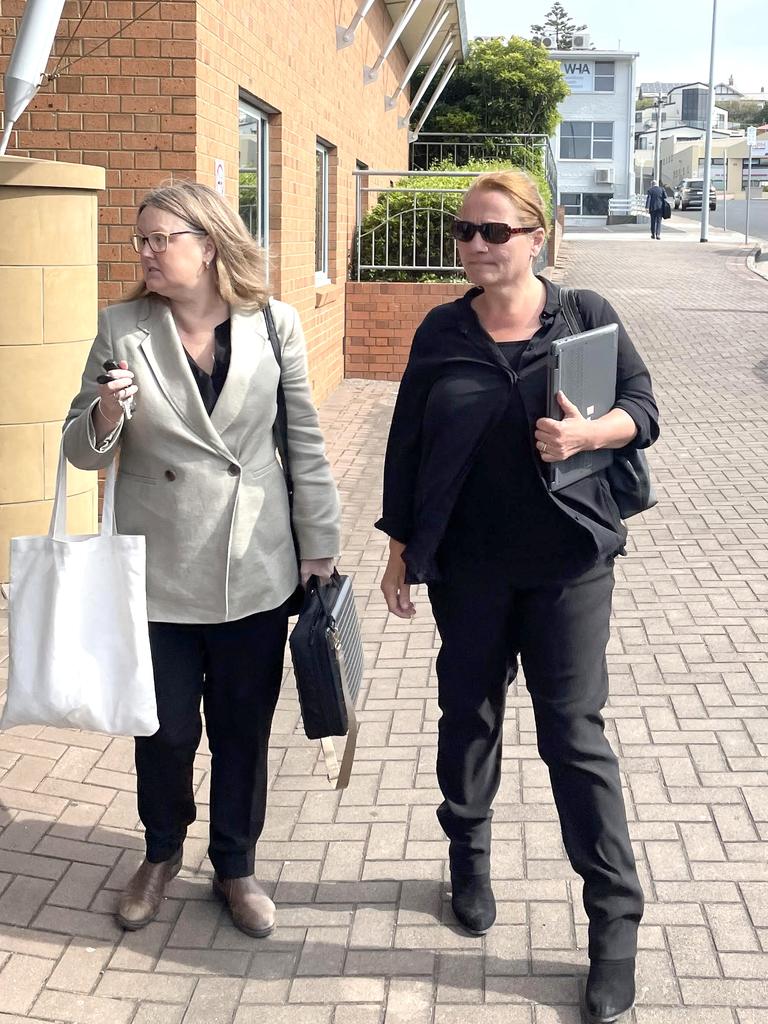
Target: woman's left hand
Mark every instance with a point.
(320, 567)
(559, 439)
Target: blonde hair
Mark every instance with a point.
(240, 262)
(521, 190)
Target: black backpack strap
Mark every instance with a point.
(571, 311)
(281, 419)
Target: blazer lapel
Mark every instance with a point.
(162, 348)
(248, 338)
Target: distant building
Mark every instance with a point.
(593, 144)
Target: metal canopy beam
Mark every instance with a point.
(437, 22)
(370, 74)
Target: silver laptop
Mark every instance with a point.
(583, 367)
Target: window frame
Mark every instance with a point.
(592, 140)
(262, 115)
(580, 213)
(322, 273)
(611, 76)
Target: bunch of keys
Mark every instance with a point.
(125, 403)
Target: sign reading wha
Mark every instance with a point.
(579, 75)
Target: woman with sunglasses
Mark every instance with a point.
(182, 380)
(513, 569)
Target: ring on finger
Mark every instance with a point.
(542, 446)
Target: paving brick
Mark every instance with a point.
(215, 1001)
(81, 966)
(337, 990)
(82, 1009)
(21, 979)
(78, 886)
(160, 988)
(692, 953)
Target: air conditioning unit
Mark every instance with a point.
(582, 41)
(549, 42)
(604, 176)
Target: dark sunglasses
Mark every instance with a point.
(494, 231)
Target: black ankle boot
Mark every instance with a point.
(473, 902)
(610, 990)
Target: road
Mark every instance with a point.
(736, 216)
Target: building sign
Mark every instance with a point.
(218, 173)
(579, 75)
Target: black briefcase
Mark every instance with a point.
(327, 655)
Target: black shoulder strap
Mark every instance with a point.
(281, 419)
(571, 311)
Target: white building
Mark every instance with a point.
(594, 142)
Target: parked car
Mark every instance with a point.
(689, 194)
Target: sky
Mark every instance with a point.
(673, 39)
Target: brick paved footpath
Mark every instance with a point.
(365, 934)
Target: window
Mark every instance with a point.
(695, 107)
(254, 170)
(585, 204)
(605, 76)
(321, 214)
(586, 140)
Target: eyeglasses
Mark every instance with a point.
(158, 240)
(494, 231)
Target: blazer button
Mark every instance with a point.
(170, 475)
(233, 470)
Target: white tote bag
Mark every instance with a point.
(79, 637)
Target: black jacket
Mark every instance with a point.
(422, 480)
(655, 198)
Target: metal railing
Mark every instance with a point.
(530, 151)
(405, 230)
(627, 206)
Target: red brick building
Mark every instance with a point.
(269, 98)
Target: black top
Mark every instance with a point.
(461, 460)
(210, 385)
(502, 513)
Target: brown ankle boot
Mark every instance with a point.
(140, 902)
(253, 912)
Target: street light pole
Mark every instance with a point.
(657, 153)
(708, 145)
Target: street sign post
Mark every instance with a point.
(751, 142)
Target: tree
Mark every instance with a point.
(505, 85)
(745, 112)
(557, 23)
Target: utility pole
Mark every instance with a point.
(657, 153)
(708, 145)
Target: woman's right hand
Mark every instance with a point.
(396, 591)
(119, 388)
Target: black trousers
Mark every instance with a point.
(560, 632)
(656, 219)
(236, 669)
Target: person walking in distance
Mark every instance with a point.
(655, 198)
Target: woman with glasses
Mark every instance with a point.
(512, 568)
(182, 381)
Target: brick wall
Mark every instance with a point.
(381, 321)
(129, 107)
(286, 58)
(161, 101)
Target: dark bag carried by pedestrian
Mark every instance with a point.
(629, 475)
(326, 648)
(327, 656)
(666, 209)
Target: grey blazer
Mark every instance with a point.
(207, 492)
